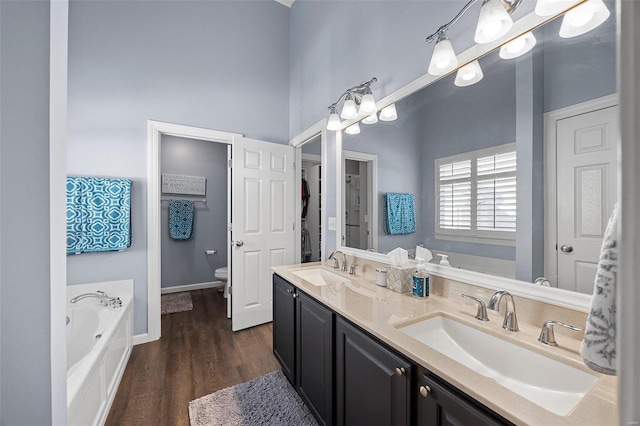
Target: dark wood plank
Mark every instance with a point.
(197, 354)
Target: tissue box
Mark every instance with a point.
(400, 279)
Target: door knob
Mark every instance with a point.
(239, 243)
(566, 248)
(399, 371)
(424, 390)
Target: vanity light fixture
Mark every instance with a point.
(370, 119)
(349, 109)
(389, 113)
(494, 22)
(469, 74)
(583, 18)
(518, 46)
(444, 58)
(354, 129)
(352, 98)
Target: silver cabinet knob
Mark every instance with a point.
(399, 371)
(424, 390)
(289, 291)
(295, 295)
(566, 248)
(239, 243)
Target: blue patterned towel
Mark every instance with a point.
(98, 214)
(399, 214)
(181, 219)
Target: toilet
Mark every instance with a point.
(222, 275)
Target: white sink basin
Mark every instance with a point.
(551, 384)
(320, 276)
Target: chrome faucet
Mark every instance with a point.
(510, 322)
(343, 265)
(105, 299)
(547, 336)
(481, 314)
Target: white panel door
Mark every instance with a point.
(263, 221)
(587, 182)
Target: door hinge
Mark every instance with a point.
(230, 164)
(294, 226)
(230, 227)
(294, 165)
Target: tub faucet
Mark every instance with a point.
(510, 322)
(104, 298)
(343, 265)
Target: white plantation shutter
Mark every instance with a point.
(455, 195)
(496, 193)
(476, 194)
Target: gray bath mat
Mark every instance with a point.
(267, 400)
(175, 302)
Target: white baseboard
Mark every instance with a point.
(190, 287)
(139, 339)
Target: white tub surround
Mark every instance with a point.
(99, 342)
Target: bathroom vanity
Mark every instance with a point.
(348, 348)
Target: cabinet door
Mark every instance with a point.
(314, 358)
(372, 382)
(283, 326)
(439, 404)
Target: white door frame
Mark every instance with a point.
(550, 179)
(372, 197)
(155, 131)
(320, 128)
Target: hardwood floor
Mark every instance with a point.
(197, 354)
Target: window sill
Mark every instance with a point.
(476, 240)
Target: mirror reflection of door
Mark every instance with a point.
(586, 192)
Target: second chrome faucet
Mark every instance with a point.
(510, 322)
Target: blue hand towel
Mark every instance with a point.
(98, 214)
(599, 345)
(399, 214)
(181, 219)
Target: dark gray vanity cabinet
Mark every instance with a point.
(439, 404)
(348, 377)
(303, 344)
(314, 357)
(283, 326)
(373, 384)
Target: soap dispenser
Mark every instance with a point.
(421, 280)
(444, 259)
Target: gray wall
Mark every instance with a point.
(222, 65)
(185, 262)
(25, 293)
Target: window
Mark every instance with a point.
(476, 195)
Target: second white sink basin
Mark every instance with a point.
(551, 384)
(320, 276)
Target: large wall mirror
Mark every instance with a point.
(513, 176)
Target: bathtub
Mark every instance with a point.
(99, 342)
